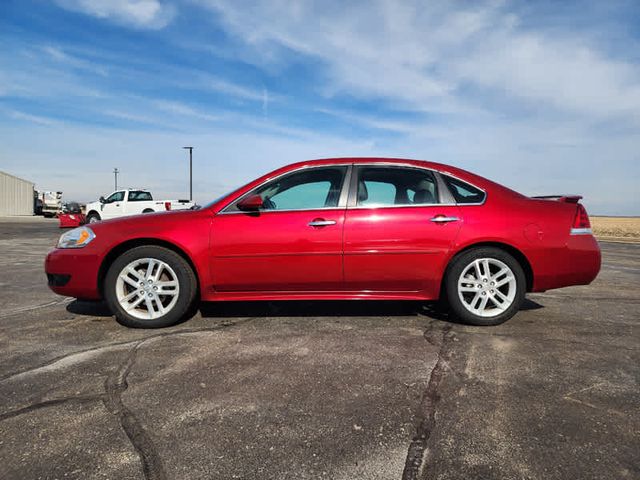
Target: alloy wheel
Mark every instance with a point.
(147, 288)
(487, 287)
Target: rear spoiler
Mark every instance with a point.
(560, 198)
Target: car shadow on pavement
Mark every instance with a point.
(333, 308)
(301, 308)
(89, 308)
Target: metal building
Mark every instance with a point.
(16, 195)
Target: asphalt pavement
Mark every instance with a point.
(311, 390)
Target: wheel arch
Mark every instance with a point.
(93, 212)
(119, 249)
(520, 257)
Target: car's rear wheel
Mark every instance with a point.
(150, 287)
(93, 217)
(485, 286)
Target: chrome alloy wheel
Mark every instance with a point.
(487, 287)
(147, 288)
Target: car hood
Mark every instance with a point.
(148, 223)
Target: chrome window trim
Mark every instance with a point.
(353, 197)
(420, 205)
(341, 199)
(436, 173)
(484, 200)
(349, 189)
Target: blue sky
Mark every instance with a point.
(542, 96)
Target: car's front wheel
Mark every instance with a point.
(485, 286)
(150, 287)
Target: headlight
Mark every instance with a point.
(76, 238)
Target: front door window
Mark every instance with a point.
(308, 189)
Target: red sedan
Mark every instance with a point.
(365, 228)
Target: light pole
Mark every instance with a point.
(190, 172)
(115, 173)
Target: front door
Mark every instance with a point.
(397, 231)
(292, 244)
(113, 206)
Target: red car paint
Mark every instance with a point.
(370, 252)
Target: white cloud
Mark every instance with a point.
(152, 14)
(184, 110)
(424, 55)
(37, 119)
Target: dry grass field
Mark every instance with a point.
(616, 228)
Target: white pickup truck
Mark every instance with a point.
(130, 202)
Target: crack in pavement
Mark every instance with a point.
(114, 386)
(109, 346)
(50, 403)
(17, 310)
(414, 463)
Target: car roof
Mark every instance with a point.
(464, 175)
(441, 167)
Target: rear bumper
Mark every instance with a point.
(578, 263)
(73, 273)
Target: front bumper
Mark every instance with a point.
(73, 273)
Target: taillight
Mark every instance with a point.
(581, 223)
(167, 205)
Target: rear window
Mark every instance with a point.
(463, 192)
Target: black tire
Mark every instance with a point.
(455, 270)
(148, 210)
(187, 282)
(93, 217)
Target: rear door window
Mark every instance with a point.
(139, 196)
(390, 186)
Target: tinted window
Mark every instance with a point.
(303, 190)
(463, 192)
(395, 186)
(115, 197)
(139, 196)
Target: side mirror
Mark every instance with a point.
(102, 200)
(252, 203)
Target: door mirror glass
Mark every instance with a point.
(102, 200)
(252, 203)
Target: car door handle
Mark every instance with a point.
(319, 222)
(443, 219)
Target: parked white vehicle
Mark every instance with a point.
(50, 203)
(130, 202)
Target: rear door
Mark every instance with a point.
(293, 244)
(399, 227)
(137, 202)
